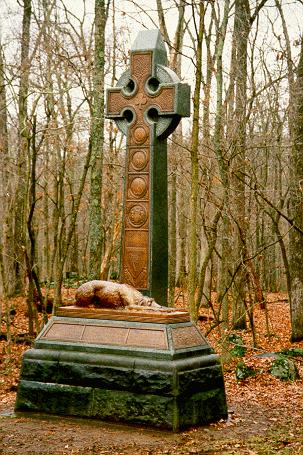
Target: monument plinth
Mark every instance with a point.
(146, 366)
(158, 373)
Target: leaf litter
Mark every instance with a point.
(265, 413)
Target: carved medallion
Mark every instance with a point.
(140, 134)
(138, 187)
(139, 160)
(137, 215)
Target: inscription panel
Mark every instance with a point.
(104, 335)
(107, 335)
(186, 337)
(136, 239)
(147, 338)
(63, 331)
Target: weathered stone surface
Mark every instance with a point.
(39, 370)
(202, 408)
(131, 407)
(115, 378)
(243, 371)
(201, 379)
(53, 398)
(140, 376)
(122, 406)
(285, 369)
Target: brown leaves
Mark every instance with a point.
(265, 413)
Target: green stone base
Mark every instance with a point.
(170, 388)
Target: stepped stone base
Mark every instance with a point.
(163, 374)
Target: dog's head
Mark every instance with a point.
(149, 301)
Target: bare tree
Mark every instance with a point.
(23, 144)
(97, 142)
(295, 210)
(192, 274)
(174, 151)
(6, 232)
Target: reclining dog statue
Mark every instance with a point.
(107, 294)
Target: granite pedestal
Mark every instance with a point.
(135, 368)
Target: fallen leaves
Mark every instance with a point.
(265, 413)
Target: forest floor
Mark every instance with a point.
(265, 413)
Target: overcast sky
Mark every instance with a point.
(134, 18)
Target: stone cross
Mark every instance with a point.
(147, 105)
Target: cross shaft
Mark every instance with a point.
(146, 106)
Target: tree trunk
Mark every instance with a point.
(181, 280)
(97, 141)
(295, 122)
(296, 211)
(175, 50)
(192, 273)
(5, 234)
(63, 247)
(6, 189)
(23, 146)
(242, 28)
(224, 267)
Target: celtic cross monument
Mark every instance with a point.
(147, 367)
(147, 104)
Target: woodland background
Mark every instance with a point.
(235, 168)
